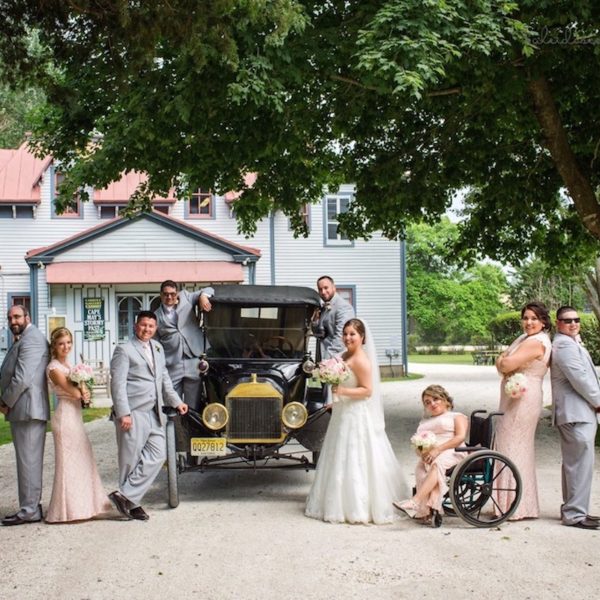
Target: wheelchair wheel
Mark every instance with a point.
(476, 479)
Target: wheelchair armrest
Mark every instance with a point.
(470, 448)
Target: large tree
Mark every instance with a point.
(15, 107)
(411, 99)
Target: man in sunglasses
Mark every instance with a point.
(576, 403)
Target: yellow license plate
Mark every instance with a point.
(208, 447)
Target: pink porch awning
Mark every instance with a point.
(143, 272)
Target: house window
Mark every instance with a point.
(17, 211)
(110, 211)
(347, 293)
(72, 209)
(22, 300)
(201, 204)
(335, 206)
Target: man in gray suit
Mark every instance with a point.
(576, 401)
(179, 333)
(24, 402)
(140, 385)
(329, 322)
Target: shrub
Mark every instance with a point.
(413, 342)
(590, 334)
(506, 327)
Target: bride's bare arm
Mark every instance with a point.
(361, 367)
(529, 350)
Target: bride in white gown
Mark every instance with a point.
(357, 476)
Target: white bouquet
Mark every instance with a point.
(83, 375)
(424, 440)
(516, 385)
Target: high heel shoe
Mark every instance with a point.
(408, 507)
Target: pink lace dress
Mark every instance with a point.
(515, 432)
(77, 492)
(443, 428)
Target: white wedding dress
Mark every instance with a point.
(357, 476)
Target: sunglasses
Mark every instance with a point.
(569, 321)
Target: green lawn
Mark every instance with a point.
(89, 414)
(448, 359)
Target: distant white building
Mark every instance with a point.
(92, 270)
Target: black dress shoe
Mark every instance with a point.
(139, 513)
(17, 520)
(584, 524)
(121, 503)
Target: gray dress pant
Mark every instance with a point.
(142, 453)
(577, 447)
(29, 438)
(186, 381)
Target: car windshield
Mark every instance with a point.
(258, 332)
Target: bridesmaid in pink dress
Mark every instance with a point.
(77, 493)
(529, 354)
(450, 430)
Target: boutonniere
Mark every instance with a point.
(157, 349)
(327, 306)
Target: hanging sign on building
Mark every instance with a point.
(93, 319)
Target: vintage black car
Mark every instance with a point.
(259, 405)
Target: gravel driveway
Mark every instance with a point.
(243, 535)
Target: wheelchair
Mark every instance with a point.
(478, 476)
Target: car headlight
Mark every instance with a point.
(308, 366)
(294, 415)
(215, 416)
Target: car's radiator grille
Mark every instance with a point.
(254, 419)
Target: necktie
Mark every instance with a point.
(148, 352)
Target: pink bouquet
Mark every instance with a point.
(332, 371)
(516, 385)
(82, 374)
(423, 440)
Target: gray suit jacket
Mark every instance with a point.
(185, 339)
(135, 385)
(23, 378)
(332, 319)
(575, 386)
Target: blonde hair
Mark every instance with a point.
(437, 391)
(56, 334)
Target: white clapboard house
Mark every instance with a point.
(92, 270)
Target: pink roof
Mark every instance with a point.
(143, 272)
(20, 173)
(119, 192)
(249, 180)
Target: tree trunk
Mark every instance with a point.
(592, 289)
(577, 184)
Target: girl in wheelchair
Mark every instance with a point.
(445, 430)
